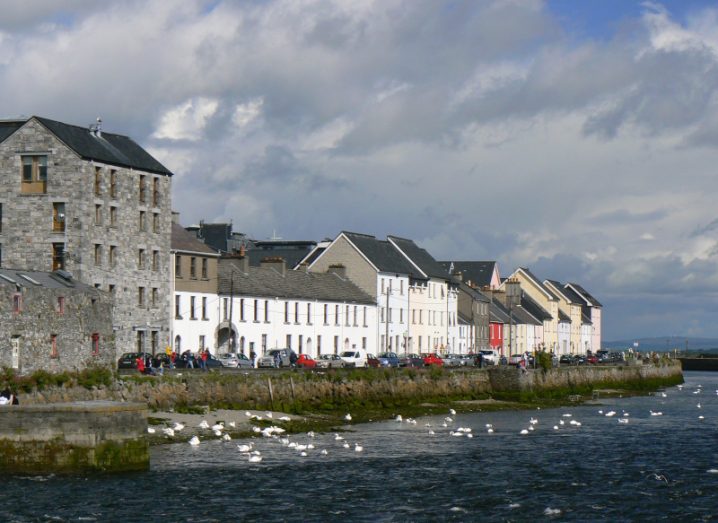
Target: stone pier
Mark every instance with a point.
(80, 436)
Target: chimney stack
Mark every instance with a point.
(338, 269)
(274, 262)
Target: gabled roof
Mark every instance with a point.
(113, 149)
(185, 241)
(498, 313)
(479, 273)
(537, 282)
(563, 317)
(419, 257)
(382, 254)
(473, 293)
(582, 292)
(521, 316)
(557, 288)
(269, 283)
(7, 127)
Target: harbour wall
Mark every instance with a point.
(296, 391)
(74, 437)
(710, 364)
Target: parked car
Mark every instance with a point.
(372, 361)
(306, 362)
(567, 359)
(591, 359)
(433, 359)
(602, 355)
(490, 356)
(388, 359)
(466, 360)
(276, 358)
(410, 360)
(330, 361)
(515, 359)
(451, 360)
(354, 358)
(229, 359)
(129, 359)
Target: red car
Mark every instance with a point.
(371, 361)
(306, 362)
(433, 359)
(591, 359)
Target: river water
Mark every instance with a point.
(654, 467)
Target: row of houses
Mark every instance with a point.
(92, 265)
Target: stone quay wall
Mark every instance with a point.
(310, 391)
(74, 437)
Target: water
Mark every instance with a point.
(661, 468)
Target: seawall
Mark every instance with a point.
(300, 391)
(74, 437)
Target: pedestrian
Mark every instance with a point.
(252, 356)
(204, 356)
(189, 358)
(140, 363)
(277, 359)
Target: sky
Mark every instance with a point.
(574, 137)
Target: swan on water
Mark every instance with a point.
(255, 459)
(203, 424)
(194, 441)
(348, 417)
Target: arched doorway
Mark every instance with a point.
(241, 344)
(226, 337)
(178, 344)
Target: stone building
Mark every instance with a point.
(94, 204)
(52, 322)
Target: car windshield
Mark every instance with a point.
(349, 354)
(325, 357)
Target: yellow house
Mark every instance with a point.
(570, 307)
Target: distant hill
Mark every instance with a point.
(664, 343)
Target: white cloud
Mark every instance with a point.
(187, 120)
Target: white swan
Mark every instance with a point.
(610, 413)
(244, 448)
(169, 432)
(348, 417)
(524, 432)
(194, 441)
(203, 424)
(452, 412)
(150, 430)
(255, 459)
(358, 448)
(178, 426)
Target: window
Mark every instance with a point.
(300, 343)
(191, 308)
(0, 217)
(95, 344)
(204, 268)
(355, 315)
(143, 221)
(98, 181)
(98, 254)
(113, 216)
(155, 260)
(336, 315)
(204, 308)
(363, 343)
(178, 307)
(61, 305)
(225, 308)
(401, 287)
(364, 314)
(141, 259)
(34, 174)
(346, 316)
(326, 314)
(155, 295)
(111, 289)
(256, 311)
(155, 341)
(286, 312)
(113, 183)
(113, 256)
(142, 188)
(241, 309)
(296, 312)
(17, 303)
(178, 266)
(58, 256)
(401, 315)
(289, 341)
(193, 268)
(58, 217)
(309, 313)
(319, 344)
(156, 192)
(155, 222)
(266, 311)
(141, 296)
(336, 344)
(202, 342)
(53, 346)
(140, 341)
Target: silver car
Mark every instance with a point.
(330, 361)
(276, 358)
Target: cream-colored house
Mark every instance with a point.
(571, 307)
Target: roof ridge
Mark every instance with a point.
(41, 118)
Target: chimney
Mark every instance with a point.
(460, 276)
(175, 217)
(338, 269)
(274, 262)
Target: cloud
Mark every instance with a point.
(480, 129)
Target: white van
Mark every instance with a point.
(354, 357)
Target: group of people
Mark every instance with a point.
(154, 366)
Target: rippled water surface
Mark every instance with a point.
(651, 468)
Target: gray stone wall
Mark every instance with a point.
(27, 234)
(86, 312)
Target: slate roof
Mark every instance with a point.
(49, 280)
(563, 317)
(301, 285)
(7, 127)
(534, 308)
(585, 317)
(498, 313)
(571, 297)
(521, 316)
(582, 292)
(425, 261)
(114, 149)
(309, 259)
(183, 240)
(382, 254)
(291, 256)
(475, 294)
(477, 272)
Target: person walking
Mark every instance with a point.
(203, 358)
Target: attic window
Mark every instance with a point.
(34, 174)
(17, 303)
